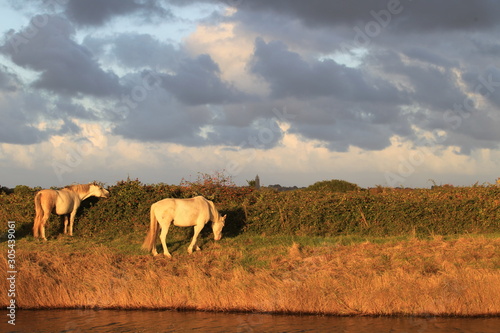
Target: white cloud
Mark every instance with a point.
(21, 156)
(231, 52)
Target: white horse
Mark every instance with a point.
(195, 212)
(63, 202)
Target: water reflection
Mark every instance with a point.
(173, 321)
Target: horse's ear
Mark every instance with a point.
(96, 183)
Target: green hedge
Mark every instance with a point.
(125, 211)
(394, 212)
(333, 185)
(441, 211)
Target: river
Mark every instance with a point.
(174, 321)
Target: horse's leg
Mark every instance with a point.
(197, 230)
(65, 223)
(45, 217)
(163, 238)
(71, 221)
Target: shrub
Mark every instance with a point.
(18, 205)
(423, 212)
(442, 210)
(333, 185)
(128, 207)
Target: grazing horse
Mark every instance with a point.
(63, 202)
(195, 212)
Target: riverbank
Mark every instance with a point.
(331, 276)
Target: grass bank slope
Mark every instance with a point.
(335, 276)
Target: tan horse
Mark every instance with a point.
(63, 202)
(195, 212)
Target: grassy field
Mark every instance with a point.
(384, 252)
(442, 276)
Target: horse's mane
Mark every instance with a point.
(213, 211)
(79, 188)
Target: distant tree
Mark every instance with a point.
(215, 179)
(280, 188)
(23, 190)
(333, 185)
(6, 190)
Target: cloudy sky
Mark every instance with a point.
(381, 92)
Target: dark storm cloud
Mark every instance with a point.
(197, 81)
(192, 80)
(427, 56)
(98, 12)
(421, 65)
(340, 124)
(9, 82)
(290, 75)
(344, 134)
(445, 96)
(95, 13)
(486, 47)
(486, 83)
(160, 118)
(163, 119)
(164, 116)
(341, 106)
(46, 45)
(414, 85)
(432, 80)
(15, 128)
(20, 112)
(15, 113)
(407, 14)
(134, 50)
(337, 26)
(67, 108)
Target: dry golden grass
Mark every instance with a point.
(417, 277)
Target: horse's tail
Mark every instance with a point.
(149, 241)
(38, 214)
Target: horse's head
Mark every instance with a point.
(217, 227)
(98, 191)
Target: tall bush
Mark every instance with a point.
(325, 213)
(128, 207)
(443, 210)
(333, 185)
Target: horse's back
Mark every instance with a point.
(197, 204)
(181, 204)
(46, 196)
(60, 202)
(182, 211)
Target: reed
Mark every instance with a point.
(439, 277)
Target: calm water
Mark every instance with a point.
(172, 321)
